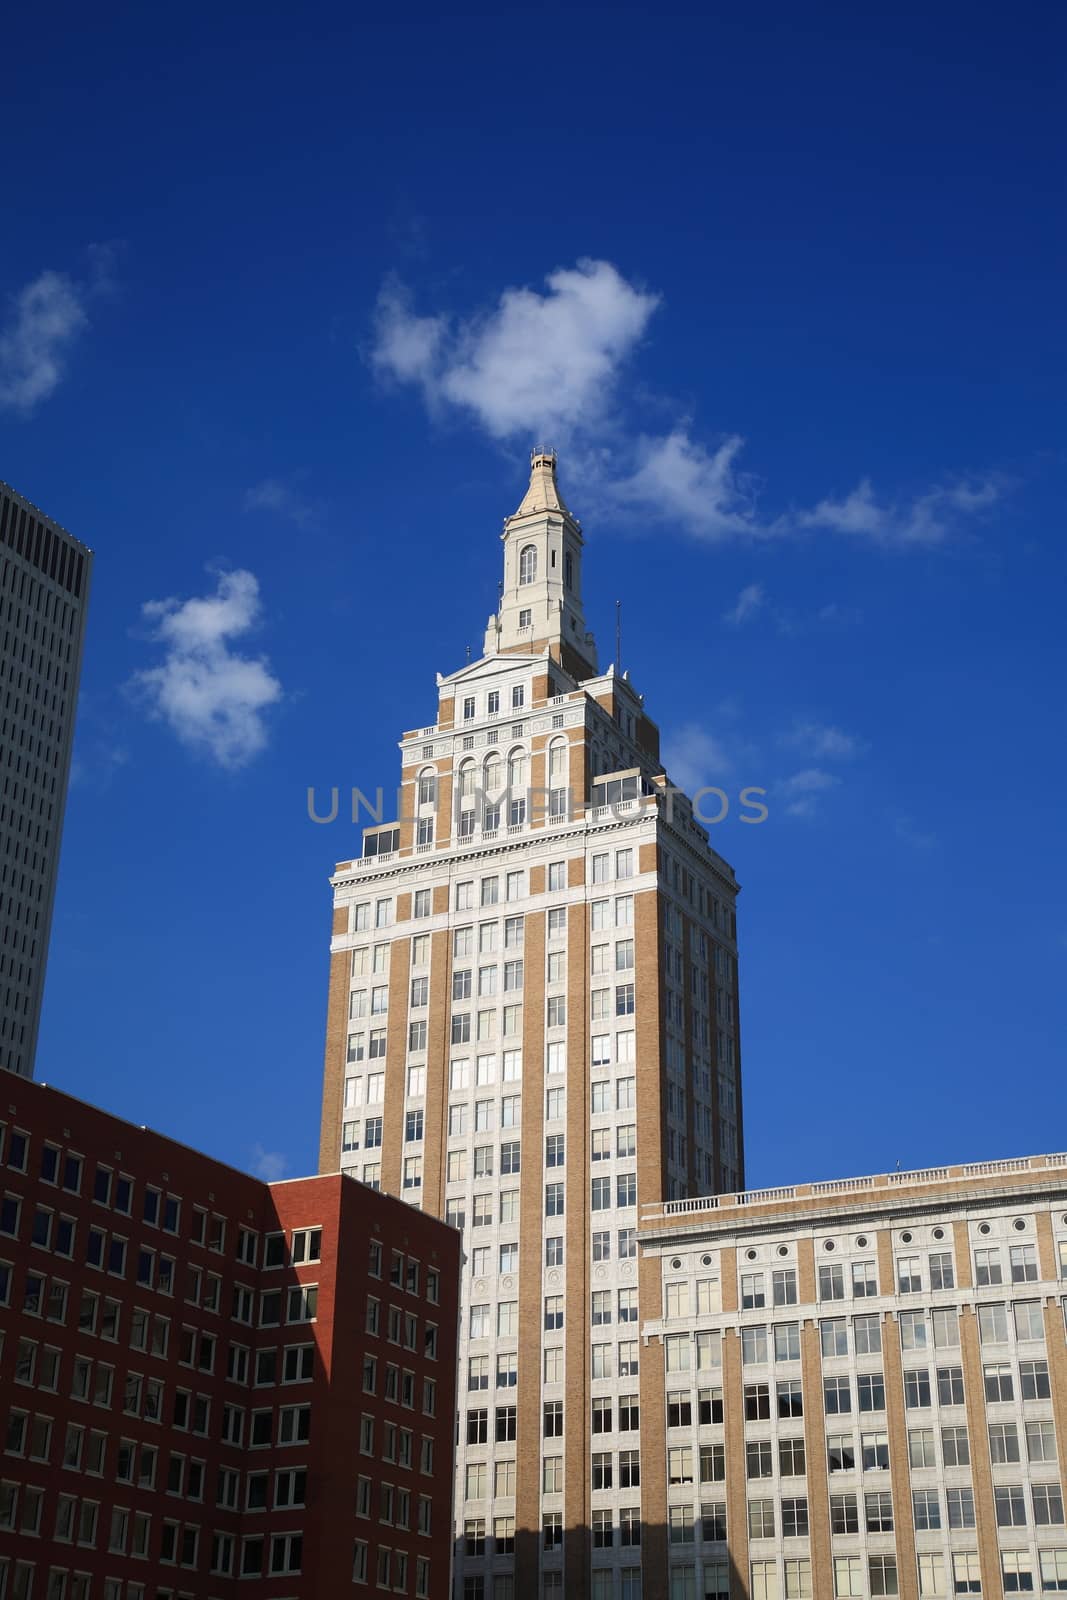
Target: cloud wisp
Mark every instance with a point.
(705, 492)
(271, 494)
(800, 792)
(44, 319)
(42, 324)
(270, 1165)
(749, 602)
(928, 519)
(695, 757)
(211, 696)
(822, 741)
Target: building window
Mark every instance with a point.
(883, 1575)
(909, 1275)
(837, 1396)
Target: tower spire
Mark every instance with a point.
(541, 596)
(543, 493)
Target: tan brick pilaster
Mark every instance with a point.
(897, 1429)
(333, 1072)
(981, 1471)
(651, 1188)
(728, 1277)
(961, 1239)
(443, 814)
(1048, 1266)
(887, 1277)
(437, 1052)
(396, 1046)
(806, 1271)
(577, 777)
(577, 1418)
(529, 1447)
(733, 1404)
(815, 1446)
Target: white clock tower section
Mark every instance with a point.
(541, 602)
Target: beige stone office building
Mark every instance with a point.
(533, 1032)
(860, 1387)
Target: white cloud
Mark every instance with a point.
(273, 495)
(801, 791)
(681, 482)
(928, 519)
(695, 758)
(821, 741)
(749, 601)
(534, 364)
(270, 1165)
(45, 318)
(546, 365)
(211, 697)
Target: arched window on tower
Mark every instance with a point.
(557, 780)
(516, 788)
(467, 788)
(568, 570)
(527, 563)
(493, 782)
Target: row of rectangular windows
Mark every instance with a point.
(42, 546)
(49, 1297)
(76, 1522)
(391, 1569)
(791, 1579)
(370, 1089)
(863, 1278)
(706, 1463)
(144, 1398)
(604, 914)
(115, 1190)
(998, 1323)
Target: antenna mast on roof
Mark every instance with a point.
(618, 636)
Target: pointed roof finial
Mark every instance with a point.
(543, 493)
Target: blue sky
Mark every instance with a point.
(284, 301)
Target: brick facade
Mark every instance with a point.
(195, 1386)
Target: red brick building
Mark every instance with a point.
(209, 1382)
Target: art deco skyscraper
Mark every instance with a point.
(44, 592)
(533, 1032)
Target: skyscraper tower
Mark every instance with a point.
(533, 1032)
(44, 593)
